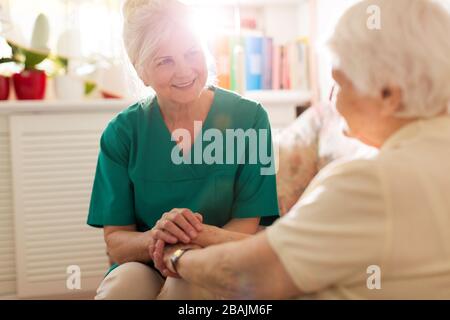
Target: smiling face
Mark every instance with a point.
(178, 71)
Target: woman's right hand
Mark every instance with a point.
(178, 225)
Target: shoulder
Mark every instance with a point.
(120, 135)
(351, 168)
(125, 123)
(244, 112)
(131, 115)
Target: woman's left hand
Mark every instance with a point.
(182, 224)
(162, 255)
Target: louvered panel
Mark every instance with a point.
(54, 159)
(7, 248)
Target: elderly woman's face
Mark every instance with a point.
(178, 70)
(365, 115)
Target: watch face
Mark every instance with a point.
(178, 253)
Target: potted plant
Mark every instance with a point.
(4, 81)
(68, 84)
(30, 83)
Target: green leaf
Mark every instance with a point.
(89, 86)
(14, 48)
(17, 53)
(30, 58)
(63, 62)
(33, 58)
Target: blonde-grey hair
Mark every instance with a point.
(147, 23)
(411, 49)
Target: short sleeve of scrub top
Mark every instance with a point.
(112, 199)
(253, 188)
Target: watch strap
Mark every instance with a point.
(176, 256)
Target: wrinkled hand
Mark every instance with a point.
(162, 255)
(180, 224)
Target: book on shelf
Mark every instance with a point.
(255, 62)
(267, 61)
(276, 68)
(237, 58)
(222, 54)
(298, 52)
(285, 73)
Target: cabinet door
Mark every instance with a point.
(7, 257)
(53, 164)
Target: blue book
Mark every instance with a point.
(254, 62)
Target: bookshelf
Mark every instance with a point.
(286, 23)
(283, 21)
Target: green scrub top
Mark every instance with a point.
(136, 181)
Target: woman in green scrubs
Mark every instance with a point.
(142, 192)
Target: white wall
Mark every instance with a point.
(328, 12)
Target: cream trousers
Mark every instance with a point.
(137, 281)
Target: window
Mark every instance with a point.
(99, 22)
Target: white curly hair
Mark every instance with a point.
(411, 49)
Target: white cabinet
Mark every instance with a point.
(53, 165)
(47, 165)
(7, 250)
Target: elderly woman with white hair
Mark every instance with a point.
(153, 182)
(374, 228)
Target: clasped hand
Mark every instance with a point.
(179, 228)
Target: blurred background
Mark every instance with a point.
(64, 75)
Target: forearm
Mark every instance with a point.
(211, 269)
(211, 235)
(235, 230)
(239, 270)
(243, 225)
(129, 246)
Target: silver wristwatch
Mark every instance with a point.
(176, 256)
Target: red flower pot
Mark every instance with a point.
(4, 88)
(30, 84)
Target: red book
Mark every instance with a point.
(276, 68)
(285, 73)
